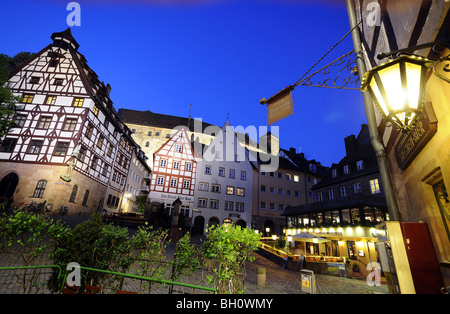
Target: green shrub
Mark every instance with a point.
(228, 248)
(93, 244)
(25, 237)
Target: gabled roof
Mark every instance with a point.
(303, 164)
(150, 118)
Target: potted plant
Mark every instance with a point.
(355, 268)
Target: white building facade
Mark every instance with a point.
(223, 193)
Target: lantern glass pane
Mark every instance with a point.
(392, 84)
(376, 92)
(413, 77)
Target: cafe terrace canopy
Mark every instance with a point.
(308, 237)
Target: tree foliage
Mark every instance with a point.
(7, 99)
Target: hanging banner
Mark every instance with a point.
(280, 105)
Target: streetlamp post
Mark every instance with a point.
(376, 141)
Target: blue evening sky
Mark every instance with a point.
(221, 56)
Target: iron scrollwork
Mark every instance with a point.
(344, 65)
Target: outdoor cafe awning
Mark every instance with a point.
(308, 237)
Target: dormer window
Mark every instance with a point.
(360, 165)
(346, 169)
(313, 167)
(334, 173)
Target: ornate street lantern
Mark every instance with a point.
(397, 87)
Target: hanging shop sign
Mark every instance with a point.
(410, 144)
(280, 105)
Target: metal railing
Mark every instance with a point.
(113, 273)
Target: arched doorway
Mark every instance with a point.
(8, 186)
(213, 221)
(241, 223)
(199, 225)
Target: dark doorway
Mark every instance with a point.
(8, 187)
(241, 223)
(199, 225)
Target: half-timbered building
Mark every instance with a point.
(69, 147)
(173, 177)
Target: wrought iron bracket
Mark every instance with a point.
(330, 79)
(437, 47)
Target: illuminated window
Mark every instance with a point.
(240, 191)
(78, 102)
(95, 110)
(50, 100)
(230, 190)
(374, 186)
(27, 98)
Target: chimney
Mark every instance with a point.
(108, 89)
(350, 145)
(292, 150)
